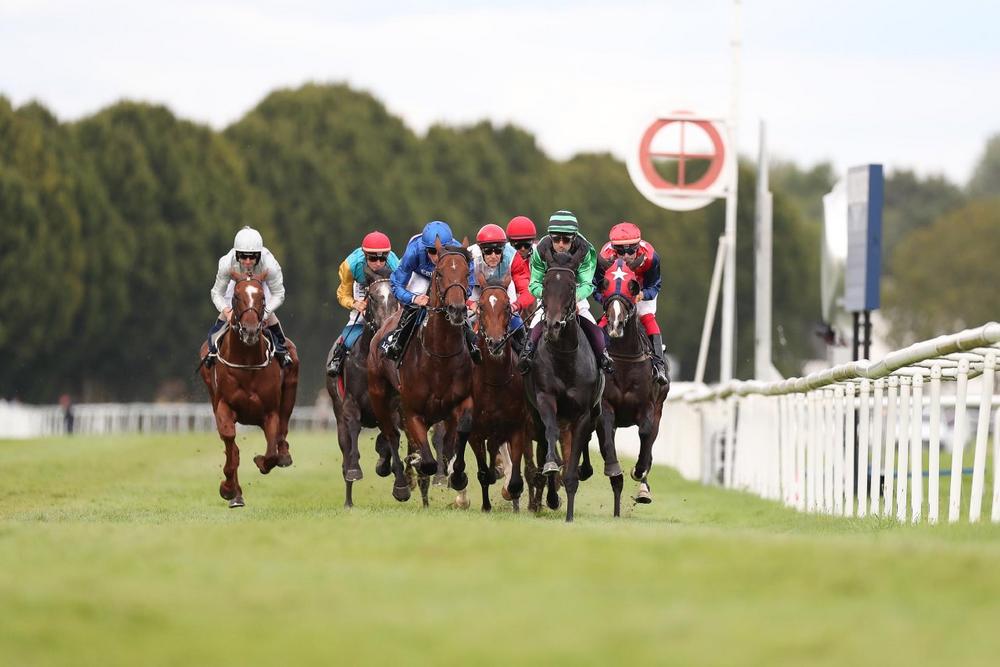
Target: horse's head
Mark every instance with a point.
(248, 308)
(559, 285)
(381, 299)
(494, 315)
(619, 289)
(450, 281)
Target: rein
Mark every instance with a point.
(251, 367)
(630, 312)
(570, 311)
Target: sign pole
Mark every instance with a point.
(728, 343)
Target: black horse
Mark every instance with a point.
(632, 397)
(565, 384)
(349, 391)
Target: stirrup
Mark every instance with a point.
(209, 359)
(606, 364)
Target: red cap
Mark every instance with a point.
(625, 233)
(521, 227)
(376, 242)
(491, 234)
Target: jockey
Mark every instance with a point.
(564, 236)
(410, 282)
(249, 256)
(375, 253)
(626, 241)
(494, 260)
(521, 235)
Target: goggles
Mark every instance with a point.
(626, 249)
(562, 238)
(492, 250)
(376, 257)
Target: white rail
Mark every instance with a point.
(850, 440)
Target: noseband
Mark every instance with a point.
(570, 311)
(443, 292)
(627, 303)
(260, 311)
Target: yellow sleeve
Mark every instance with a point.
(345, 292)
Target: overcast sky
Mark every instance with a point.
(907, 83)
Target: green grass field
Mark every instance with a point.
(119, 551)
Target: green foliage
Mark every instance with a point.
(913, 203)
(944, 275)
(985, 181)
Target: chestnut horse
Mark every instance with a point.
(500, 413)
(631, 397)
(247, 385)
(434, 376)
(349, 392)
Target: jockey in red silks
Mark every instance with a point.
(625, 243)
(494, 260)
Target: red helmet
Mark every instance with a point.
(624, 233)
(376, 242)
(491, 234)
(521, 227)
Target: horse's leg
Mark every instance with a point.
(648, 430)
(441, 476)
(225, 422)
(267, 462)
(382, 467)
(571, 469)
(605, 423)
(586, 469)
(289, 388)
(424, 482)
(378, 392)
(515, 484)
(547, 409)
(417, 431)
(484, 468)
(348, 430)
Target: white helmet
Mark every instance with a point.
(248, 240)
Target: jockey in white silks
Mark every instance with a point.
(248, 256)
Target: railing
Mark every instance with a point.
(22, 421)
(849, 440)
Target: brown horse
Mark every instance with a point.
(500, 411)
(631, 396)
(434, 377)
(248, 386)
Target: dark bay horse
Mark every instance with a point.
(565, 384)
(434, 379)
(247, 385)
(500, 413)
(631, 397)
(349, 391)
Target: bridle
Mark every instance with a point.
(495, 345)
(245, 331)
(442, 292)
(369, 318)
(570, 311)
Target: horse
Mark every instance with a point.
(500, 413)
(631, 397)
(247, 385)
(349, 392)
(433, 380)
(565, 383)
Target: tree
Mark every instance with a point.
(985, 181)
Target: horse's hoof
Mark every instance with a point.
(644, 497)
(401, 493)
(227, 492)
(236, 502)
(586, 472)
(261, 464)
(505, 494)
(613, 469)
(553, 502)
(441, 479)
(383, 467)
(427, 468)
(462, 501)
(459, 480)
(636, 477)
(284, 460)
(550, 468)
(353, 475)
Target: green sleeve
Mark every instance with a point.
(585, 275)
(537, 274)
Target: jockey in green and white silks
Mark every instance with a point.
(248, 255)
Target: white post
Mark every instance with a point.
(801, 442)
(811, 452)
(828, 451)
(934, 447)
(995, 515)
(982, 431)
(713, 300)
(903, 464)
(864, 422)
(763, 368)
(958, 447)
(729, 288)
(889, 462)
(917, 451)
(837, 448)
(849, 451)
(875, 487)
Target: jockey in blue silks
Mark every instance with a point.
(410, 283)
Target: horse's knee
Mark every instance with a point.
(515, 487)
(571, 483)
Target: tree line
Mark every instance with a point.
(111, 227)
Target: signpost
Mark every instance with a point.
(862, 276)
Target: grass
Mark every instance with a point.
(118, 551)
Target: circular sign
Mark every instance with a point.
(670, 139)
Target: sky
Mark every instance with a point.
(909, 84)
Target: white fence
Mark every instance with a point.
(22, 421)
(812, 442)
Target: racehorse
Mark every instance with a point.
(434, 378)
(349, 391)
(500, 412)
(247, 385)
(565, 384)
(631, 397)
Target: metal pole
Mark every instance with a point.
(857, 336)
(713, 301)
(868, 334)
(728, 346)
(763, 368)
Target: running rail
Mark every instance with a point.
(850, 440)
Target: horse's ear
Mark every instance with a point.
(236, 275)
(369, 274)
(262, 276)
(576, 256)
(603, 264)
(637, 262)
(506, 281)
(481, 277)
(384, 271)
(633, 288)
(544, 249)
(465, 241)
(604, 285)
(437, 244)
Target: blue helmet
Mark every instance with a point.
(436, 230)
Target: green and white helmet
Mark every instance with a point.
(248, 239)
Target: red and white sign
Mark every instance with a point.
(695, 151)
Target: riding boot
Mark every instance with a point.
(518, 340)
(528, 354)
(470, 340)
(337, 358)
(213, 351)
(395, 340)
(280, 351)
(659, 364)
(598, 341)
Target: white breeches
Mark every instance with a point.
(582, 309)
(418, 284)
(646, 307)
